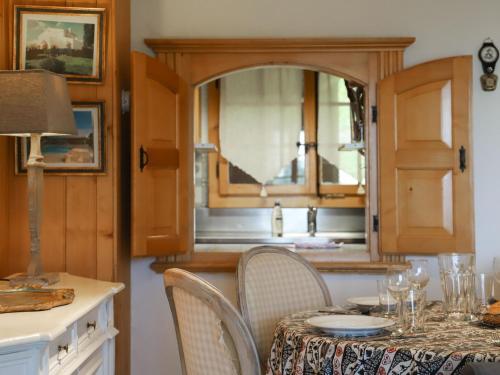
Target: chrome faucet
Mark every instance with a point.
(311, 221)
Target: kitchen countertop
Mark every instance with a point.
(346, 253)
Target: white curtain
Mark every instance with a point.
(261, 119)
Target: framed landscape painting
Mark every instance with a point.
(66, 41)
(82, 153)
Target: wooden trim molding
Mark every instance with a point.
(278, 45)
(228, 262)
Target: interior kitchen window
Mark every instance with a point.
(282, 134)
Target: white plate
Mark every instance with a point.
(364, 303)
(350, 325)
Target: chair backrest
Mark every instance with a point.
(212, 336)
(274, 282)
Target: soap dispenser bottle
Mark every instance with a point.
(277, 220)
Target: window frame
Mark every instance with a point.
(201, 60)
(223, 194)
(226, 188)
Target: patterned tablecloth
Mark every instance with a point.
(443, 349)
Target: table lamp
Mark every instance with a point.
(35, 103)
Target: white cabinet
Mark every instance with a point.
(76, 339)
(20, 363)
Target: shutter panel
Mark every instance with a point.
(426, 199)
(162, 160)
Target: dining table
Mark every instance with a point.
(445, 347)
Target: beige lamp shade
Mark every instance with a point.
(35, 102)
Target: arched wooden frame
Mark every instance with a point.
(365, 60)
(201, 60)
(336, 71)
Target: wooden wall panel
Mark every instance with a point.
(55, 190)
(105, 187)
(4, 192)
(81, 226)
(52, 233)
(120, 50)
(4, 233)
(4, 254)
(83, 231)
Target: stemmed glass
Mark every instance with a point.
(496, 269)
(484, 292)
(496, 275)
(399, 287)
(418, 275)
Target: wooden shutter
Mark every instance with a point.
(162, 173)
(426, 198)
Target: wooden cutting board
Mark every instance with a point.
(34, 299)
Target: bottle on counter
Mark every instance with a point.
(277, 220)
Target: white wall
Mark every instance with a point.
(442, 28)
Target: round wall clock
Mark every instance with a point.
(488, 54)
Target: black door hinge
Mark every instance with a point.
(375, 223)
(374, 114)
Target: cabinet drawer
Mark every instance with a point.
(94, 365)
(62, 349)
(91, 325)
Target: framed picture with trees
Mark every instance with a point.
(64, 40)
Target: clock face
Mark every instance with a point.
(489, 54)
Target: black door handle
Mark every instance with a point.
(143, 158)
(463, 159)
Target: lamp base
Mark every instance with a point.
(22, 279)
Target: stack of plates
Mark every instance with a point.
(350, 325)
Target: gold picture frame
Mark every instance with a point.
(65, 40)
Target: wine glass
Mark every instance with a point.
(496, 269)
(387, 302)
(496, 276)
(484, 292)
(418, 275)
(398, 284)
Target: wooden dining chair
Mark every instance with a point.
(212, 336)
(274, 282)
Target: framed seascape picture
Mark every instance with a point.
(82, 153)
(67, 41)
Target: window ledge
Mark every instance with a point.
(228, 262)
